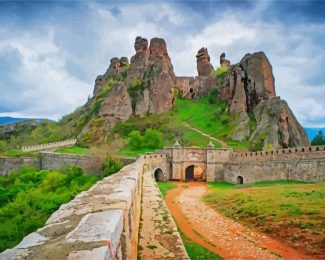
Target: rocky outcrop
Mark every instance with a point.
(116, 106)
(203, 65)
(254, 72)
(223, 61)
(116, 70)
(277, 127)
(139, 61)
(151, 88)
(259, 81)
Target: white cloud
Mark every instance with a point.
(45, 85)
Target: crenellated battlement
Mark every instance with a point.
(282, 154)
(48, 146)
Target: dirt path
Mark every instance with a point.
(223, 144)
(220, 234)
(158, 237)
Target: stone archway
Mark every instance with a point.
(240, 180)
(194, 173)
(159, 175)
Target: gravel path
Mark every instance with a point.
(223, 144)
(226, 237)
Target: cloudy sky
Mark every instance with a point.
(52, 51)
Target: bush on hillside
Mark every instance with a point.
(2, 145)
(111, 166)
(135, 140)
(29, 196)
(151, 139)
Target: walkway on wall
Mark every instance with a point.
(218, 233)
(158, 236)
(223, 144)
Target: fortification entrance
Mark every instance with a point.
(194, 173)
(222, 164)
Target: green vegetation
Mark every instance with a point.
(73, 150)
(221, 74)
(207, 114)
(152, 139)
(29, 196)
(19, 153)
(279, 207)
(165, 187)
(319, 139)
(33, 133)
(2, 145)
(196, 251)
(111, 166)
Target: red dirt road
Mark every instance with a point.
(219, 234)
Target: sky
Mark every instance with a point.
(52, 51)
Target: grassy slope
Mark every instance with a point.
(294, 211)
(73, 150)
(194, 250)
(200, 114)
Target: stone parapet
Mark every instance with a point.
(101, 223)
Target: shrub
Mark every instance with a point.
(2, 145)
(135, 140)
(111, 166)
(213, 96)
(29, 196)
(152, 139)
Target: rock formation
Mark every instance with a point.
(146, 86)
(276, 126)
(203, 65)
(223, 61)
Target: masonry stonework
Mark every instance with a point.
(301, 163)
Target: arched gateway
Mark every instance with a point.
(187, 163)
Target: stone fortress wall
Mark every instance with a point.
(301, 163)
(51, 161)
(41, 147)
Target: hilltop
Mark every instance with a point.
(233, 103)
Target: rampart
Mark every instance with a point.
(90, 164)
(48, 146)
(301, 163)
(101, 223)
(51, 161)
(8, 164)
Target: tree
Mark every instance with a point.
(135, 140)
(319, 139)
(2, 145)
(153, 139)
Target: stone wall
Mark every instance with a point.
(8, 164)
(90, 164)
(48, 146)
(300, 163)
(194, 87)
(101, 223)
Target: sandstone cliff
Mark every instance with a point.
(143, 86)
(249, 87)
(147, 85)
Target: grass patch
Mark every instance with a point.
(72, 150)
(276, 207)
(20, 153)
(165, 187)
(196, 251)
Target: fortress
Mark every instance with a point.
(178, 163)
